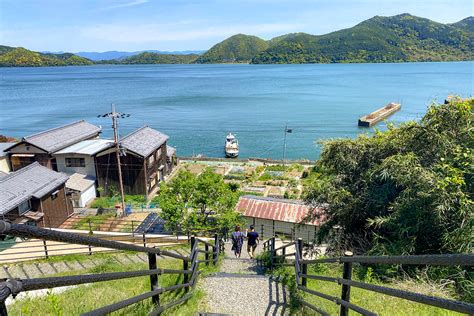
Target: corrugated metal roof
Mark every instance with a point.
(33, 180)
(87, 147)
(170, 151)
(4, 146)
(143, 141)
(60, 137)
(79, 182)
(274, 209)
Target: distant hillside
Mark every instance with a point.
(21, 57)
(96, 56)
(380, 39)
(400, 38)
(154, 58)
(466, 24)
(239, 48)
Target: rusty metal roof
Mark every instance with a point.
(283, 210)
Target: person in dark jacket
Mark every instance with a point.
(237, 241)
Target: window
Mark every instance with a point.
(151, 160)
(24, 207)
(75, 162)
(54, 195)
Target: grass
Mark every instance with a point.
(95, 221)
(372, 301)
(85, 298)
(109, 202)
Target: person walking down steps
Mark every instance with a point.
(252, 241)
(237, 241)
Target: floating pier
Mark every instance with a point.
(377, 116)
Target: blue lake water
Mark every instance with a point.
(197, 105)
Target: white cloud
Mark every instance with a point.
(126, 4)
(154, 33)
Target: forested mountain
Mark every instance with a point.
(99, 56)
(380, 39)
(399, 38)
(21, 57)
(239, 48)
(155, 58)
(466, 24)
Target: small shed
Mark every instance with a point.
(277, 217)
(81, 189)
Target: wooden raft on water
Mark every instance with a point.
(376, 116)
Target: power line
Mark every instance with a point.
(118, 150)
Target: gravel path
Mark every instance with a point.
(240, 288)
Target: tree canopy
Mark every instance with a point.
(198, 203)
(407, 190)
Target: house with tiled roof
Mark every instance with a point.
(4, 160)
(144, 162)
(34, 195)
(278, 217)
(41, 146)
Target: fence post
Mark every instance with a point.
(215, 254)
(262, 231)
(133, 230)
(45, 249)
(144, 239)
(186, 264)
(206, 255)
(346, 289)
(153, 277)
(303, 266)
(272, 252)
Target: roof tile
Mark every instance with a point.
(33, 180)
(60, 137)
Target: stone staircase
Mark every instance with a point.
(241, 288)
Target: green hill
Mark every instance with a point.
(380, 39)
(466, 24)
(154, 58)
(21, 57)
(239, 48)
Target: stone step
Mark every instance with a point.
(236, 275)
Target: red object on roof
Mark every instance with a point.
(282, 210)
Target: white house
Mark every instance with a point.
(81, 188)
(4, 161)
(78, 161)
(80, 157)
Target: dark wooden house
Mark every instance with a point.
(34, 195)
(40, 147)
(144, 163)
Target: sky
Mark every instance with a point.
(176, 25)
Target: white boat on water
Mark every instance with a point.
(231, 146)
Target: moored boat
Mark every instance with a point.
(377, 116)
(231, 146)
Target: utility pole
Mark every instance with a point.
(115, 115)
(287, 130)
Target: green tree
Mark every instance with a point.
(198, 202)
(407, 190)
